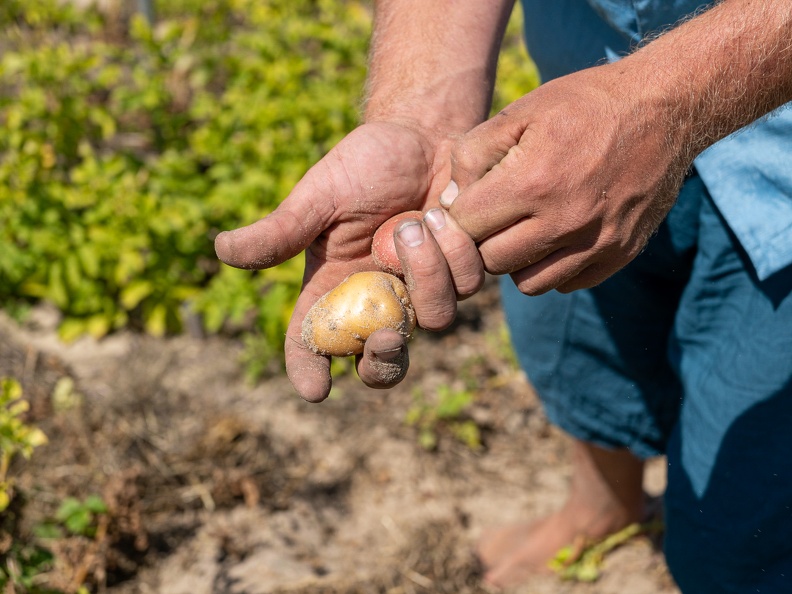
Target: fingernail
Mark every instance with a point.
(411, 234)
(435, 219)
(388, 355)
(449, 194)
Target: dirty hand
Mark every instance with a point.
(564, 187)
(377, 171)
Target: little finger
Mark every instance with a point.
(384, 361)
(519, 246)
(555, 270)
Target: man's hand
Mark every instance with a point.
(379, 170)
(432, 69)
(565, 186)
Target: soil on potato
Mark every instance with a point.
(214, 485)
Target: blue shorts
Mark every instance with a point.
(684, 353)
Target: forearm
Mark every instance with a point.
(433, 62)
(719, 71)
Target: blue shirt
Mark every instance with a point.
(748, 174)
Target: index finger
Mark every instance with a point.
(501, 198)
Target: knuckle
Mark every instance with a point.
(386, 374)
(470, 283)
(436, 317)
(426, 271)
(494, 261)
(531, 288)
(463, 259)
(464, 263)
(465, 161)
(540, 179)
(495, 267)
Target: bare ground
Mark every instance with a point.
(217, 486)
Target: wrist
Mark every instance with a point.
(665, 110)
(440, 108)
(432, 64)
(717, 72)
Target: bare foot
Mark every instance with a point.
(606, 495)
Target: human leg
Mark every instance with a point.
(598, 359)
(605, 495)
(729, 498)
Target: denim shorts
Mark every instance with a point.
(686, 353)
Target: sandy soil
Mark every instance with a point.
(217, 486)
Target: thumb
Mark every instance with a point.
(288, 230)
(478, 151)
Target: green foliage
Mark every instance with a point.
(445, 413)
(27, 560)
(22, 566)
(122, 155)
(583, 563)
(16, 436)
(20, 562)
(43, 14)
(121, 159)
(517, 74)
(79, 517)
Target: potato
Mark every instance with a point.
(382, 247)
(342, 319)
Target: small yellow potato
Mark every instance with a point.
(342, 319)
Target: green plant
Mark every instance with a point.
(17, 438)
(21, 567)
(19, 562)
(122, 156)
(121, 159)
(582, 562)
(517, 74)
(28, 564)
(444, 413)
(80, 517)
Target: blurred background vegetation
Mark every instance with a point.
(126, 145)
(128, 140)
